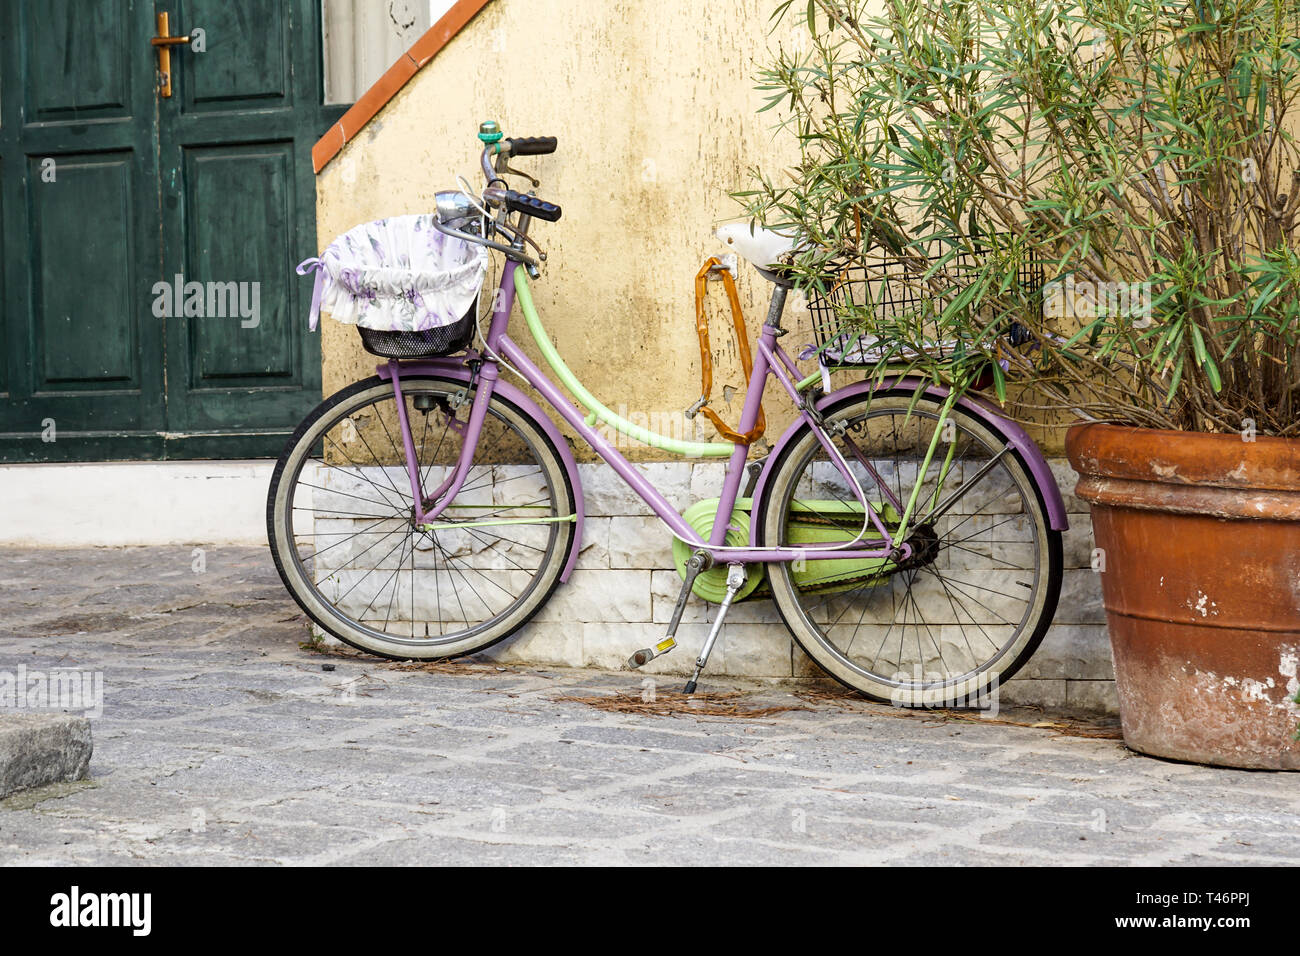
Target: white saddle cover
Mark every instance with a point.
(763, 247)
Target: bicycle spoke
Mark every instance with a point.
(360, 472)
(388, 614)
(344, 541)
(332, 491)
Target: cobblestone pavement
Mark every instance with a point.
(224, 741)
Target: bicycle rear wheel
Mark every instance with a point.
(340, 520)
(946, 627)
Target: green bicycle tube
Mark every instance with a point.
(488, 523)
(690, 449)
(943, 475)
(925, 466)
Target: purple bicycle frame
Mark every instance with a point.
(771, 359)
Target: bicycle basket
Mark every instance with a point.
(443, 340)
(411, 291)
(887, 287)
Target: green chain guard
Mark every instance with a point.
(830, 575)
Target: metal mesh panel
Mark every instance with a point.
(876, 285)
(430, 343)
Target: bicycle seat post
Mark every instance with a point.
(776, 308)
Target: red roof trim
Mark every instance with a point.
(397, 76)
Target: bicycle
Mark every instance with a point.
(431, 510)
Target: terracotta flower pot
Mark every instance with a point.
(1200, 535)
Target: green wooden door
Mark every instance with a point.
(80, 229)
(149, 304)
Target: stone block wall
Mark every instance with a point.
(622, 594)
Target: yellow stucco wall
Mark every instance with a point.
(654, 105)
(656, 113)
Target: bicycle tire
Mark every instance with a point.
(308, 597)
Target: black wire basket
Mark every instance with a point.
(430, 343)
(878, 284)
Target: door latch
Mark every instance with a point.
(163, 43)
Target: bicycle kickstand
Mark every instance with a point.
(735, 581)
(699, 561)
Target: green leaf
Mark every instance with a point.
(999, 382)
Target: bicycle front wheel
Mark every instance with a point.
(946, 626)
(341, 520)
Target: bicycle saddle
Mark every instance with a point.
(762, 247)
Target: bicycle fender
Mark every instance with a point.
(1039, 470)
(455, 369)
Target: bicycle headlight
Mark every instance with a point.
(454, 207)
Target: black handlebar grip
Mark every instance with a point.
(532, 145)
(532, 206)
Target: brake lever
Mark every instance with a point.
(541, 253)
(508, 251)
(517, 234)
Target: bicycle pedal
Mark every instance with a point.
(647, 654)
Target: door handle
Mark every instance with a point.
(163, 43)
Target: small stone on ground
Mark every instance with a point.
(37, 749)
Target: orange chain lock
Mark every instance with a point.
(706, 355)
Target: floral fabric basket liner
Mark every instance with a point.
(398, 275)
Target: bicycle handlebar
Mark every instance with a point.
(531, 145)
(532, 206)
(521, 202)
(496, 150)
